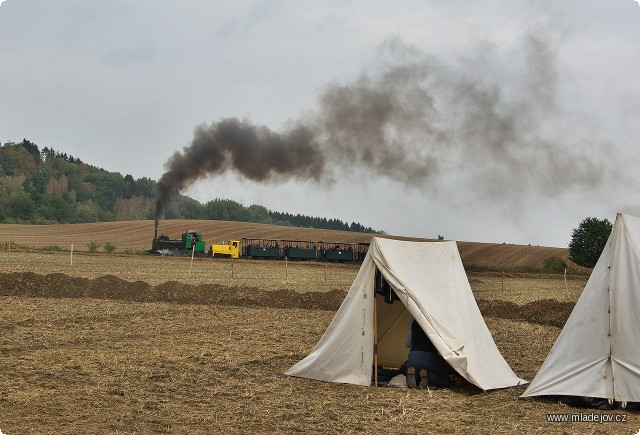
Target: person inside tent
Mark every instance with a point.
(425, 366)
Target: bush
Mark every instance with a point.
(93, 246)
(109, 248)
(554, 265)
(52, 248)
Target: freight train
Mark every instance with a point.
(276, 249)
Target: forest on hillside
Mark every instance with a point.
(45, 186)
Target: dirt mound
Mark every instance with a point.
(543, 312)
(58, 285)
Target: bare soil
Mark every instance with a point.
(85, 354)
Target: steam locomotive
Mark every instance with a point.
(276, 249)
(190, 242)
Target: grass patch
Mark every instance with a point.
(53, 248)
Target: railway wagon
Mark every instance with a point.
(361, 251)
(300, 250)
(338, 251)
(261, 248)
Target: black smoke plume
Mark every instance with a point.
(414, 119)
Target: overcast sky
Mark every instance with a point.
(519, 118)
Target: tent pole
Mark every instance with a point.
(375, 339)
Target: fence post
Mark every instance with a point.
(72, 254)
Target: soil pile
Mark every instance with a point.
(57, 285)
(543, 312)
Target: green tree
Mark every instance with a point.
(21, 206)
(87, 211)
(134, 208)
(129, 187)
(190, 208)
(31, 149)
(16, 160)
(39, 183)
(259, 214)
(109, 187)
(588, 240)
(55, 208)
(145, 187)
(225, 210)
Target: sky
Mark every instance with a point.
(504, 121)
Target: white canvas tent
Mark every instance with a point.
(597, 352)
(431, 283)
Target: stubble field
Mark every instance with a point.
(141, 344)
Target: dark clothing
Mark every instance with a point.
(424, 355)
(384, 289)
(419, 340)
(437, 368)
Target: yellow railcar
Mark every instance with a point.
(229, 250)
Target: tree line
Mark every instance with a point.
(48, 186)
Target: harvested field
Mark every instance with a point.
(116, 344)
(272, 275)
(135, 237)
(521, 289)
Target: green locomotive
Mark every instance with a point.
(191, 241)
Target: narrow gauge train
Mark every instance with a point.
(277, 249)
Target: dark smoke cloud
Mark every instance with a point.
(257, 153)
(415, 120)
